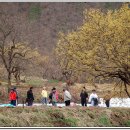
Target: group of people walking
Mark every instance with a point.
(13, 97)
(93, 99)
(53, 97)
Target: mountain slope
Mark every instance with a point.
(45, 20)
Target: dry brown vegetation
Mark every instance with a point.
(46, 19)
(64, 117)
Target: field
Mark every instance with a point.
(45, 116)
(64, 117)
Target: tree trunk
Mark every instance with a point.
(126, 90)
(18, 80)
(17, 77)
(9, 81)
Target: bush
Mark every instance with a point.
(127, 123)
(103, 120)
(72, 122)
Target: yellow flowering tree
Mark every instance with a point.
(64, 55)
(101, 46)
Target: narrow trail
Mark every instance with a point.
(114, 102)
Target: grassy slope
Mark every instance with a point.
(64, 117)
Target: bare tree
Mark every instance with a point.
(11, 47)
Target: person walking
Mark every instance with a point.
(15, 89)
(44, 96)
(84, 97)
(54, 97)
(50, 96)
(30, 97)
(12, 97)
(67, 97)
(93, 99)
(107, 99)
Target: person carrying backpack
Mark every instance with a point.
(84, 97)
(50, 96)
(12, 97)
(54, 97)
(93, 99)
(67, 97)
(107, 98)
(30, 97)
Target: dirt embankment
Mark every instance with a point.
(64, 117)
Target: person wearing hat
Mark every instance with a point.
(12, 97)
(16, 95)
(44, 96)
(107, 98)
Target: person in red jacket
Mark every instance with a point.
(12, 97)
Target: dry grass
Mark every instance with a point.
(64, 117)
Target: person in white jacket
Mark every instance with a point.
(93, 99)
(67, 97)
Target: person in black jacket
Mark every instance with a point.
(30, 97)
(84, 96)
(50, 96)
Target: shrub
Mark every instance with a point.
(127, 123)
(103, 120)
(72, 122)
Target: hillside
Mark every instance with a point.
(45, 20)
(39, 25)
